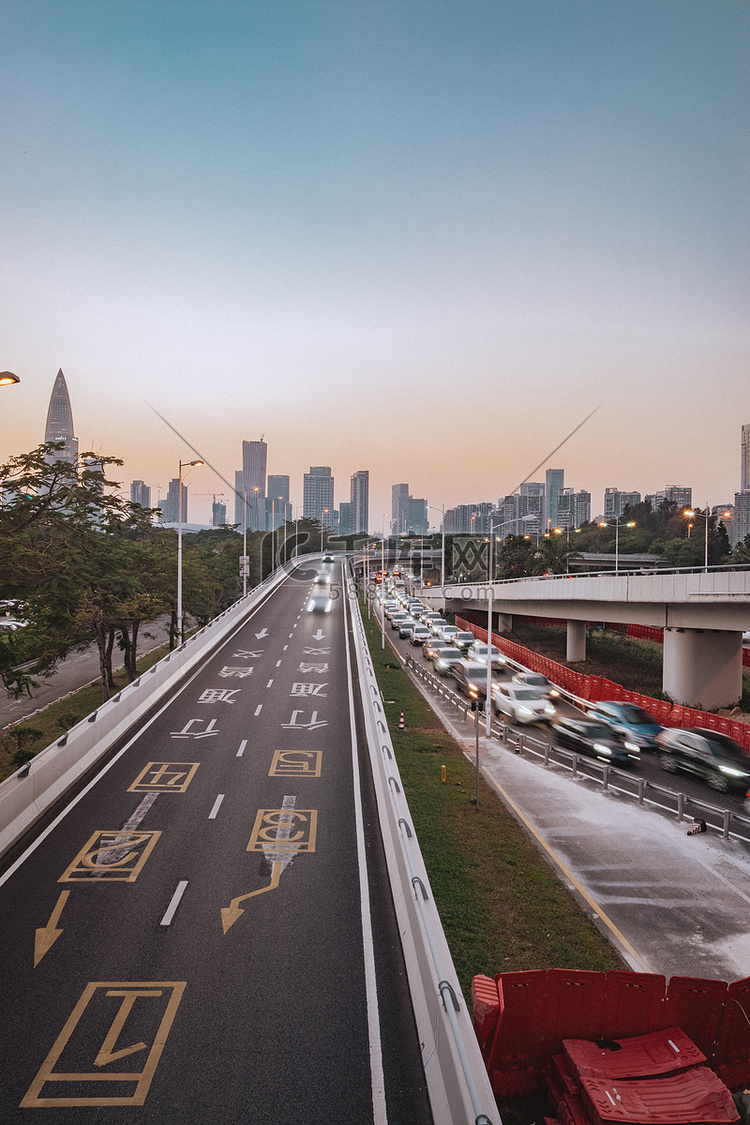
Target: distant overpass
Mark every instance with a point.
(703, 613)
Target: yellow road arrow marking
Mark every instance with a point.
(231, 913)
(46, 936)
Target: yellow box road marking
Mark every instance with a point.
(296, 763)
(150, 1005)
(111, 856)
(293, 830)
(164, 777)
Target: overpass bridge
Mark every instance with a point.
(703, 614)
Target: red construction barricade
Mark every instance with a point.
(633, 1003)
(732, 1058)
(696, 1005)
(575, 1006)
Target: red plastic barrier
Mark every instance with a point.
(519, 1034)
(633, 1003)
(696, 1005)
(575, 1006)
(694, 1096)
(639, 1056)
(486, 1007)
(732, 1058)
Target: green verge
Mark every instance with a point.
(501, 904)
(27, 738)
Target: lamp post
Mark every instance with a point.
(490, 575)
(442, 548)
(691, 513)
(382, 572)
(7, 379)
(180, 636)
(617, 522)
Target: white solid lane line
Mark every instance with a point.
(172, 908)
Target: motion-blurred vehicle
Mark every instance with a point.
(322, 579)
(432, 647)
(536, 680)
(437, 625)
(405, 628)
(463, 640)
(448, 632)
(635, 723)
(320, 600)
(471, 678)
(712, 756)
(520, 704)
(419, 634)
(597, 739)
(478, 651)
(445, 659)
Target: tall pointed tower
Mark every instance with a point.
(60, 422)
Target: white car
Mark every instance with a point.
(419, 634)
(538, 681)
(521, 704)
(478, 651)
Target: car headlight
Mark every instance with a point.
(733, 772)
(554, 694)
(632, 746)
(549, 709)
(525, 711)
(600, 749)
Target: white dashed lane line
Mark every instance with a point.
(269, 683)
(243, 744)
(258, 709)
(217, 805)
(172, 908)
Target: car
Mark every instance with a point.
(463, 640)
(597, 739)
(471, 678)
(448, 632)
(328, 558)
(445, 658)
(430, 615)
(419, 634)
(635, 723)
(478, 651)
(405, 628)
(320, 600)
(712, 756)
(519, 703)
(432, 647)
(437, 625)
(536, 680)
(397, 618)
(322, 579)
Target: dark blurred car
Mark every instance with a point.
(597, 739)
(471, 678)
(463, 640)
(635, 723)
(712, 756)
(405, 628)
(445, 659)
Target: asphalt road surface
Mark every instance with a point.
(205, 934)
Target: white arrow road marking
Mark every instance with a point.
(263, 633)
(319, 635)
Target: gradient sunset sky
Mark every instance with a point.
(420, 238)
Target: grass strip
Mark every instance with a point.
(501, 904)
(25, 739)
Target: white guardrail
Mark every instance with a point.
(457, 1081)
(29, 792)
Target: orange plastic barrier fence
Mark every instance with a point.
(534, 1011)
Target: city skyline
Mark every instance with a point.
(338, 222)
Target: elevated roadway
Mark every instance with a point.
(205, 931)
(703, 614)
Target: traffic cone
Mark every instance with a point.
(401, 722)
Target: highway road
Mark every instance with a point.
(205, 932)
(695, 790)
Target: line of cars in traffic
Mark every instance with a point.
(611, 731)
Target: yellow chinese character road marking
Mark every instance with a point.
(285, 829)
(296, 763)
(119, 857)
(156, 1002)
(164, 777)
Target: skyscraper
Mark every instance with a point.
(554, 483)
(360, 501)
(140, 493)
(400, 508)
(170, 506)
(278, 508)
(60, 422)
(254, 455)
(317, 496)
(218, 513)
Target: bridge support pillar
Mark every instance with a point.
(576, 647)
(703, 668)
(504, 622)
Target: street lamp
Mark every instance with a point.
(617, 521)
(7, 378)
(180, 636)
(490, 575)
(690, 513)
(442, 549)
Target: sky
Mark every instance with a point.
(420, 238)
